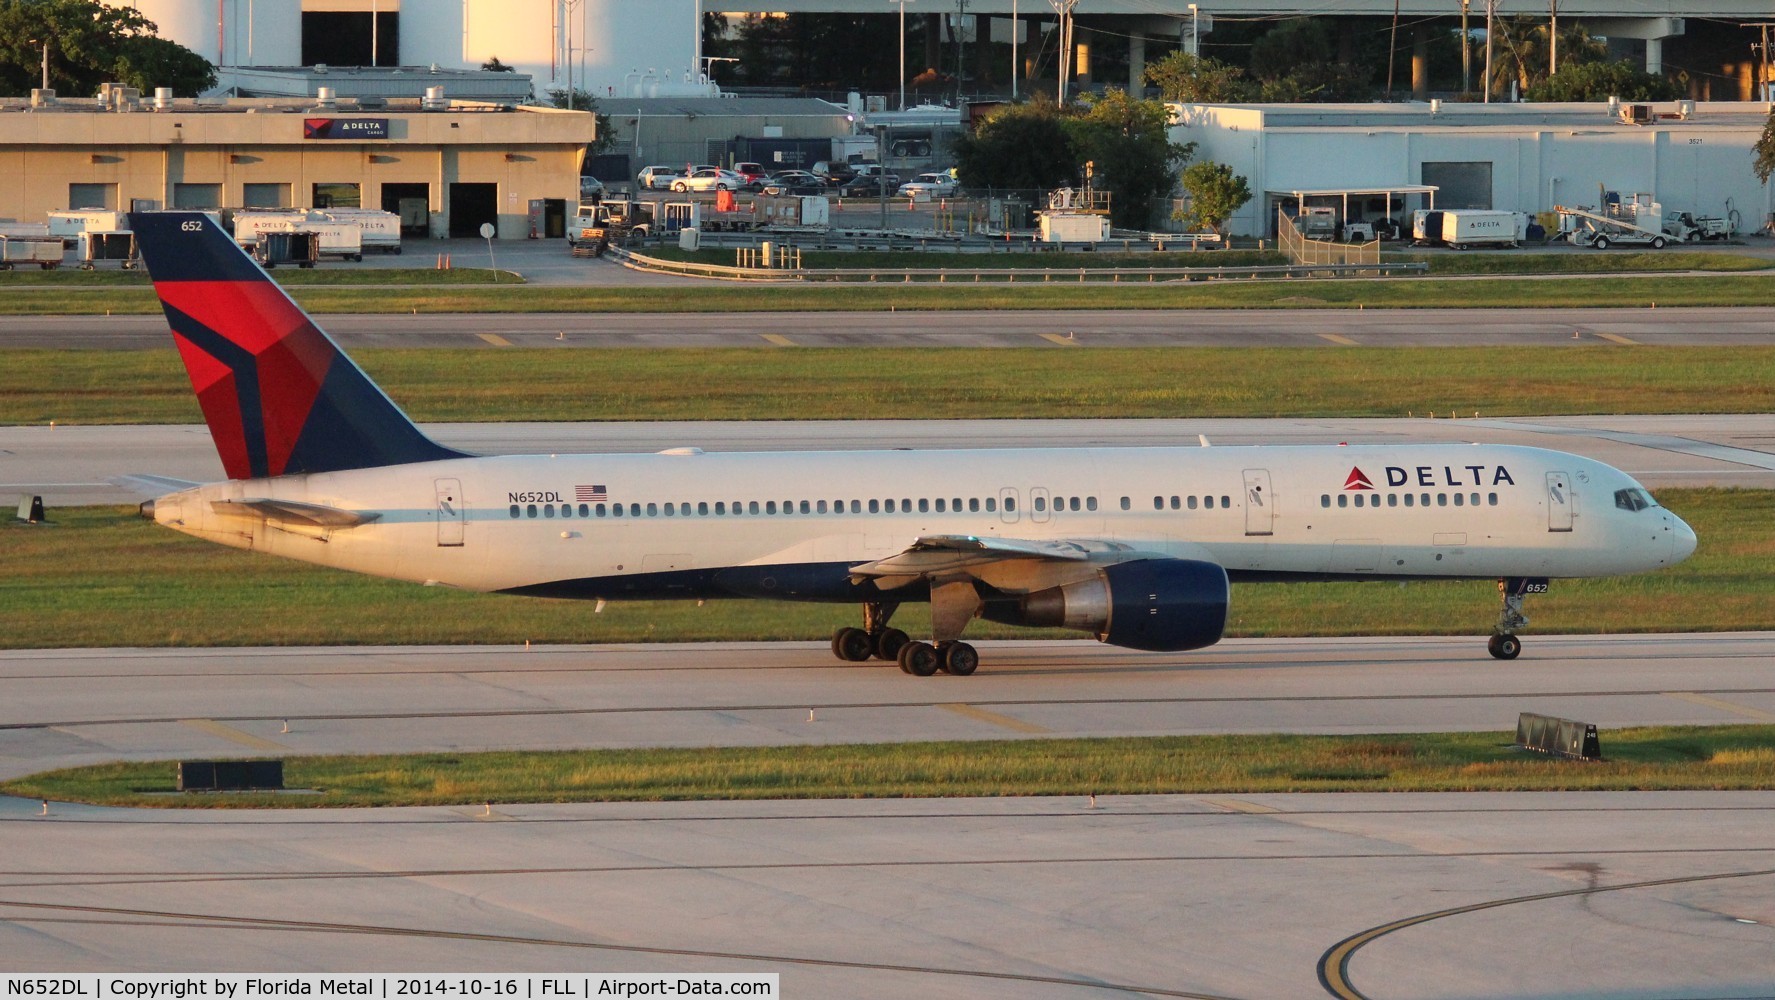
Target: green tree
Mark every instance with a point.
(1127, 139)
(580, 100)
(1764, 164)
(1019, 147)
(1215, 193)
(1296, 61)
(1191, 79)
(1599, 81)
(92, 43)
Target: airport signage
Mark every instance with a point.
(344, 128)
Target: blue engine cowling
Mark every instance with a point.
(1160, 605)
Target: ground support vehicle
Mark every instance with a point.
(1465, 228)
(1685, 228)
(377, 230)
(1586, 228)
(93, 247)
(595, 226)
(70, 224)
(45, 253)
(287, 246)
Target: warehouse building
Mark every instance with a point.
(446, 166)
(779, 132)
(1528, 158)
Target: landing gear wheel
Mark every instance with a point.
(959, 658)
(852, 644)
(889, 643)
(1504, 647)
(919, 659)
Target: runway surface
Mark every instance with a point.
(1057, 329)
(71, 465)
(1248, 896)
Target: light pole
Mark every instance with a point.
(1195, 36)
(1015, 68)
(902, 4)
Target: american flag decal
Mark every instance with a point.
(589, 494)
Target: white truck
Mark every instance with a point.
(1461, 229)
(68, 225)
(379, 230)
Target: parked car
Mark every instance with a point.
(794, 182)
(754, 174)
(656, 178)
(709, 179)
(870, 184)
(834, 172)
(929, 186)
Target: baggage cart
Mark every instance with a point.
(94, 247)
(45, 253)
(286, 246)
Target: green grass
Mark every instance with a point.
(1652, 758)
(1394, 293)
(1586, 262)
(85, 387)
(325, 274)
(104, 577)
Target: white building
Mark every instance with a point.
(607, 47)
(1521, 157)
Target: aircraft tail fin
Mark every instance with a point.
(279, 396)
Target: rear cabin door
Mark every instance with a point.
(1560, 502)
(452, 513)
(1260, 506)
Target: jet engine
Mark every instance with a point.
(1161, 605)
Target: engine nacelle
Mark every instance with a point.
(1162, 605)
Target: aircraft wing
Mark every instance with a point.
(292, 512)
(946, 554)
(151, 486)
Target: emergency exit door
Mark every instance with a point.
(452, 514)
(1260, 505)
(1560, 502)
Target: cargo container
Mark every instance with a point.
(1464, 228)
(68, 225)
(45, 253)
(93, 247)
(379, 230)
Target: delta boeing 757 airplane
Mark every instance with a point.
(1133, 545)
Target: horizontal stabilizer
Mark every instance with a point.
(143, 484)
(293, 512)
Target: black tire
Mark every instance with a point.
(1657, 243)
(681, 187)
(960, 659)
(1504, 647)
(1600, 243)
(889, 643)
(919, 659)
(852, 645)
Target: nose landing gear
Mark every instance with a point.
(1504, 644)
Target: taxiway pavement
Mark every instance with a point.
(72, 465)
(1059, 329)
(1545, 895)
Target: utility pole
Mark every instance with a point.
(1016, 67)
(1490, 9)
(1762, 91)
(1552, 37)
(902, 4)
(961, 14)
(1392, 48)
(1466, 53)
(1064, 9)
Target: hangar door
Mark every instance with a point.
(471, 205)
(1460, 184)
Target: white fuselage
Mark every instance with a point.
(693, 524)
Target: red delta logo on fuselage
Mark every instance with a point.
(1434, 475)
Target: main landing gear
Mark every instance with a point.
(921, 659)
(1505, 644)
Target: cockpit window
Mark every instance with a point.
(1634, 499)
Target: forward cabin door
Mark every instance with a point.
(452, 513)
(1260, 504)
(1560, 502)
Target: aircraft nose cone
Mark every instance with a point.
(1682, 540)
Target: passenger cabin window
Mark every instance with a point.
(991, 505)
(514, 510)
(1090, 503)
(1126, 504)
(1041, 504)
